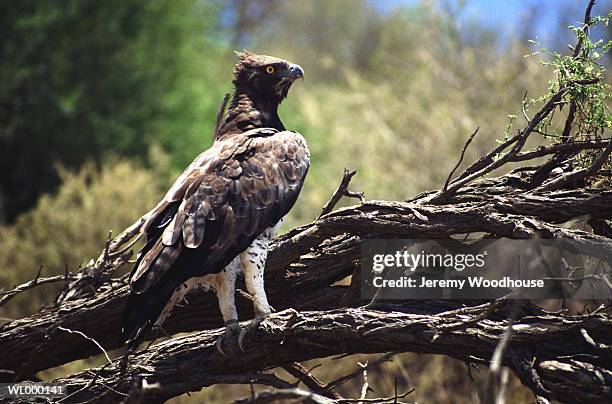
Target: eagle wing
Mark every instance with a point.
(215, 209)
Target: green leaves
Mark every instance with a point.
(83, 78)
(582, 75)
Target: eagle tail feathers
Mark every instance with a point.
(141, 312)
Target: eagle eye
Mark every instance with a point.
(270, 69)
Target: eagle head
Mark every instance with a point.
(265, 77)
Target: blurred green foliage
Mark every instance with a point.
(81, 78)
(401, 115)
(64, 230)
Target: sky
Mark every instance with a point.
(506, 16)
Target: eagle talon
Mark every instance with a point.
(231, 329)
(252, 326)
(219, 344)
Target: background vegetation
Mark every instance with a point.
(103, 103)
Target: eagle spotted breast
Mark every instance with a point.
(219, 216)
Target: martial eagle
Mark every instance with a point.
(221, 213)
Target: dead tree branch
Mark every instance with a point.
(545, 350)
(303, 396)
(308, 260)
(341, 191)
(37, 281)
(315, 385)
(578, 174)
(467, 144)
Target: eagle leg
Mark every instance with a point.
(253, 261)
(224, 284)
(232, 328)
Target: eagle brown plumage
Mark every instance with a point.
(226, 204)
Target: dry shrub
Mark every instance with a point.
(70, 226)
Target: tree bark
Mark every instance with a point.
(548, 352)
(300, 269)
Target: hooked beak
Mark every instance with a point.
(295, 72)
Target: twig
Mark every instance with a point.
(600, 227)
(570, 147)
(591, 341)
(395, 390)
(314, 384)
(542, 173)
(88, 385)
(378, 400)
(585, 28)
(497, 380)
(523, 103)
(489, 163)
(126, 235)
(563, 180)
(341, 191)
(113, 390)
(106, 248)
(597, 277)
(341, 380)
(460, 159)
(89, 278)
(489, 158)
(110, 362)
(37, 281)
(292, 394)
(126, 248)
(565, 136)
(303, 396)
(220, 113)
(252, 378)
(365, 386)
